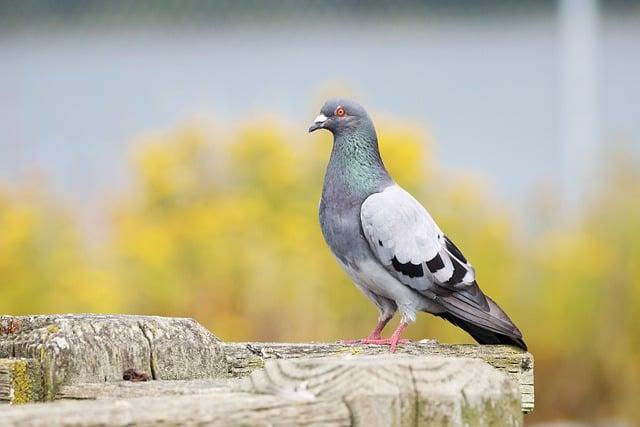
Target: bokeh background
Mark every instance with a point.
(154, 160)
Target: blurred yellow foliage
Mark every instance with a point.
(222, 226)
(43, 264)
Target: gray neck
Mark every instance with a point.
(355, 166)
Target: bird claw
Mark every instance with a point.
(375, 339)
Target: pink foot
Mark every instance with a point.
(376, 339)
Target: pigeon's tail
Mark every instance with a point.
(480, 317)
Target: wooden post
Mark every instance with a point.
(78, 360)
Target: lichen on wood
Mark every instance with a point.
(20, 381)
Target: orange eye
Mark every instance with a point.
(340, 112)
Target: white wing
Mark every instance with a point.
(409, 244)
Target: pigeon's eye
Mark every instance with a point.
(340, 112)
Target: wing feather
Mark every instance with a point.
(407, 241)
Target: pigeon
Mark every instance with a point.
(389, 244)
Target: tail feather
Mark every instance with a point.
(486, 326)
(484, 336)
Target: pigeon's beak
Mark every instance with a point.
(318, 123)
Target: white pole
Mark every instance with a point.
(579, 116)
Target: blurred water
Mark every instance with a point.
(71, 100)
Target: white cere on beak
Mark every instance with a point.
(320, 119)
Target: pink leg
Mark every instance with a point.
(376, 339)
(375, 335)
(395, 338)
(393, 341)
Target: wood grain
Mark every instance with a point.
(358, 390)
(243, 358)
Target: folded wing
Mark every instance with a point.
(408, 242)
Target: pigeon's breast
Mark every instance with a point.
(340, 224)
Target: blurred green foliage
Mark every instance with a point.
(222, 226)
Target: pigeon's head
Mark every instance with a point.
(340, 115)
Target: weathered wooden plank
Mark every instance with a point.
(126, 389)
(398, 390)
(244, 358)
(202, 410)
(358, 390)
(76, 349)
(98, 348)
